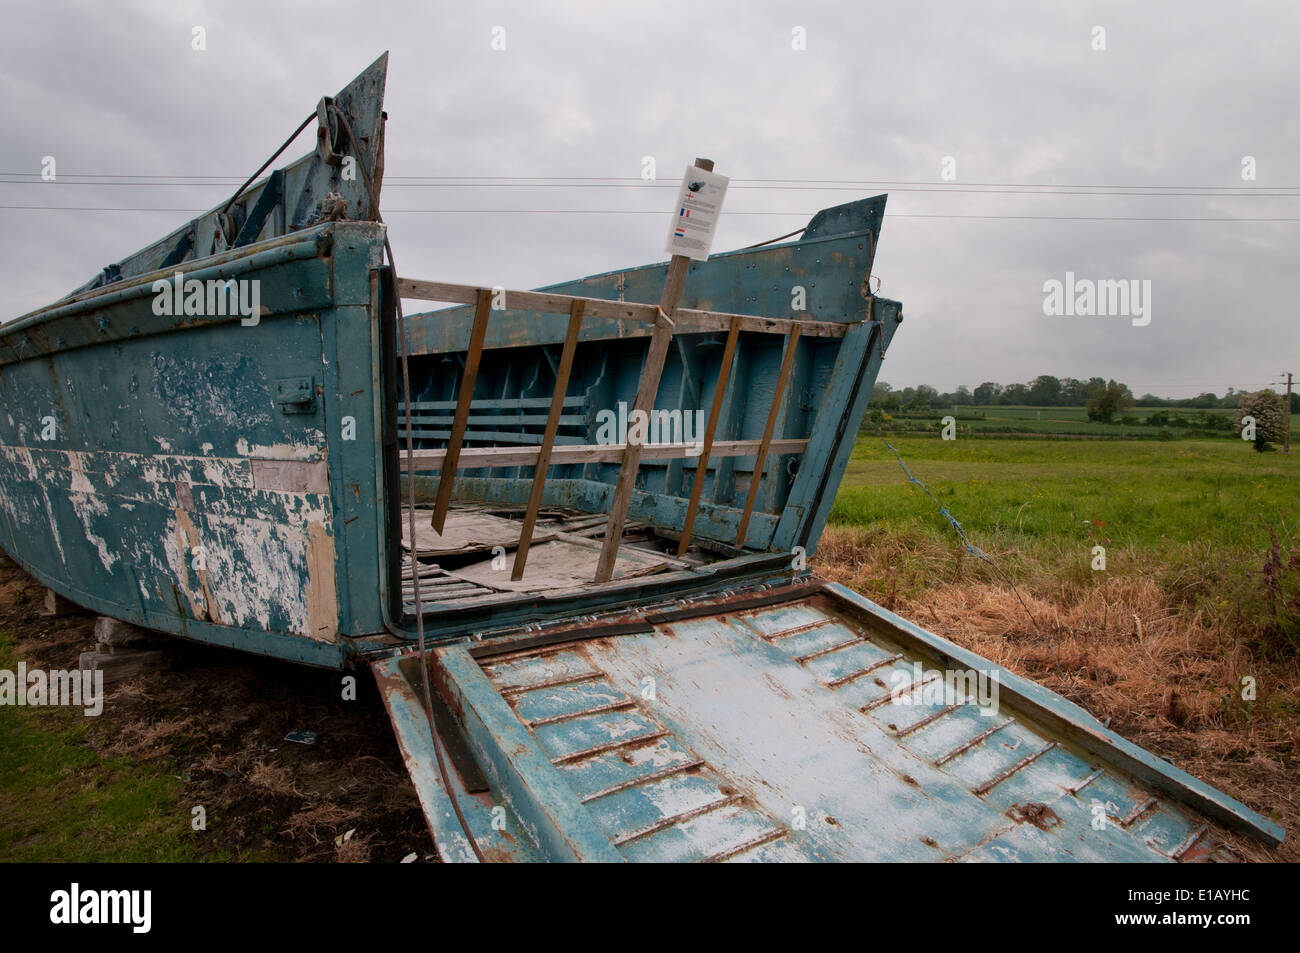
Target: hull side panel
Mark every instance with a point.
(163, 478)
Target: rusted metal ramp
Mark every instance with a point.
(801, 723)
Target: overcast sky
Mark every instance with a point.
(1015, 93)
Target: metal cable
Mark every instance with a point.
(772, 241)
(970, 547)
(410, 509)
(275, 155)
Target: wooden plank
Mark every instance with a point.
(656, 354)
(688, 320)
(548, 438)
(631, 461)
(560, 565)
(448, 476)
(464, 532)
(715, 411)
(632, 553)
(477, 458)
(778, 394)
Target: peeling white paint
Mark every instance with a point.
(289, 451)
(268, 552)
(88, 506)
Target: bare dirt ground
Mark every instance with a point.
(217, 720)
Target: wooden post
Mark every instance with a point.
(715, 411)
(645, 396)
(548, 438)
(448, 476)
(756, 478)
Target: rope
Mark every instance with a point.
(971, 547)
(410, 500)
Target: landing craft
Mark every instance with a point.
(650, 672)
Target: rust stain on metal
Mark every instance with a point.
(1036, 813)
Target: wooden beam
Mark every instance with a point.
(548, 438)
(656, 354)
(687, 320)
(448, 477)
(715, 411)
(778, 394)
(565, 454)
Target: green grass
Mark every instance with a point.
(60, 800)
(1175, 504)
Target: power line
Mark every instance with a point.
(605, 211)
(845, 182)
(669, 185)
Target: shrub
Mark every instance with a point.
(1270, 420)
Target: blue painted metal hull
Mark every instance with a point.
(149, 472)
(153, 469)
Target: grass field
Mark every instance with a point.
(1197, 514)
(1215, 498)
(105, 808)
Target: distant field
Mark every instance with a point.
(1063, 421)
(1217, 496)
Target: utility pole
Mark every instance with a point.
(1286, 443)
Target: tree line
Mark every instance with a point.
(1048, 391)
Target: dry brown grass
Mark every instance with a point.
(1165, 676)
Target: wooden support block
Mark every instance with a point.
(123, 663)
(114, 635)
(56, 605)
(778, 394)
